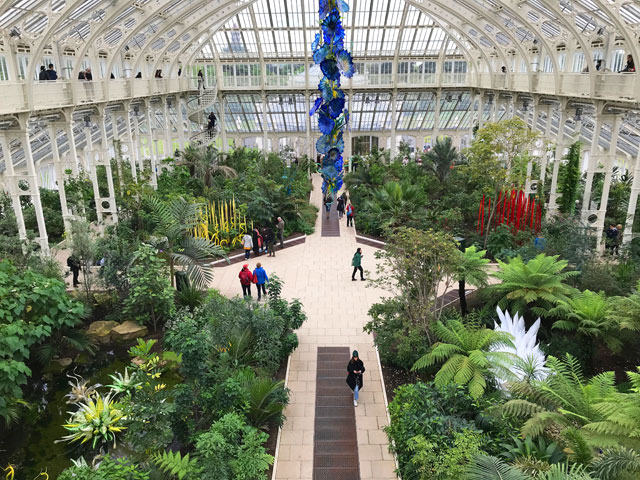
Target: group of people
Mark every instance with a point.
(258, 277)
(613, 239)
(343, 206)
(263, 239)
(47, 74)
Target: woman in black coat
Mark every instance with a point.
(355, 367)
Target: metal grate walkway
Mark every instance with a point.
(335, 442)
(331, 225)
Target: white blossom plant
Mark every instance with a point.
(529, 359)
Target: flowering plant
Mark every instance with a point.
(335, 61)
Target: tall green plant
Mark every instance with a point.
(441, 158)
(471, 269)
(569, 185)
(174, 222)
(467, 356)
(397, 204)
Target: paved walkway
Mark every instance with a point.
(318, 272)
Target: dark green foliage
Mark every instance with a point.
(423, 413)
(539, 449)
(32, 309)
(52, 212)
(569, 185)
(117, 249)
(108, 469)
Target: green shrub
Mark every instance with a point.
(109, 469)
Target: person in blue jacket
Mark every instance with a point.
(260, 278)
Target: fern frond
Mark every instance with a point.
(174, 463)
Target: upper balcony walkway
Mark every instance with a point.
(615, 87)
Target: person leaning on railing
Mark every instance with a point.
(630, 66)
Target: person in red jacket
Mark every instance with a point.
(246, 278)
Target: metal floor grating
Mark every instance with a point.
(335, 441)
(331, 225)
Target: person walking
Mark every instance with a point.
(201, 86)
(247, 244)
(356, 263)
(355, 369)
(212, 123)
(74, 265)
(280, 227)
(260, 278)
(328, 200)
(246, 278)
(257, 240)
(340, 207)
(350, 215)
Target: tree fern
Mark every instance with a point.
(175, 464)
(537, 284)
(587, 314)
(615, 462)
(626, 310)
(466, 356)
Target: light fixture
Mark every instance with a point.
(578, 115)
(87, 121)
(14, 32)
(448, 98)
(525, 106)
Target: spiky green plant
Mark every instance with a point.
(626, 310)
(396, 204)
(174, 222)
(123, 383)
(485, 467)
(587, 314)
(441, 158)
(564, 398)
(465, 352)
(538, 284)
(98, 420)
(265, 401)
(175, 464)
(616, 462)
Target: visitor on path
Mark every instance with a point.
(51, 73)
(42, 76)
(246, 277)
(74, 265)
(247, 244)
(328, 200)
(350, 213)
(340, 206)
(258, 241)
(356, 262)
(611, 238)
(280, 227)
(355, 369)
(201, 86)
(270, 240)
(260, 278)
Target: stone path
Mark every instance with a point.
(318, 272)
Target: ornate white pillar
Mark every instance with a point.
(60, 177)
(557, 157)
(132, 150)
(633, 203)
(265, 131)
(34, 189)
(12, 183)
(593, 163)
(104, 159)
(181, 135)
(394, 122)
(436, 117)
(480, 110)
(223, 122)
(151, 142)
(117, 147)
(90, 166)
(71, 141)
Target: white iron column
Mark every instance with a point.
(12, 182)
(557, 157)
(265, 131)
(151, 142)
(43, 239)
(137, 145)
(117, 147)
(223, 122)
(593, 163)
(544, 158)
(394, 121)
(633, 203)
(71, 141)
(90, 166)
(167, 141)
(181, 135)
(609, 164)
(480, 110)
(494, 109)
(106, 161)
(436, 117)
(60, 177)
(132, 150)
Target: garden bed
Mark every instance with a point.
(237, 255)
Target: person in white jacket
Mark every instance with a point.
(247, 244)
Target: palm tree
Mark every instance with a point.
(565, 398)
(471, 269)
(175, 221)
(467, 356)
(204, 163)
(587, 314)
(441, 158)
(396, 204)
(538, 283)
